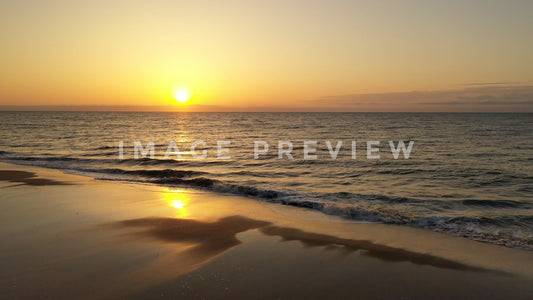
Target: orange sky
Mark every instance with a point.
(269, 55)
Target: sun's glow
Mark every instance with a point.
(182, 96)
(177, 204)
(178, 200)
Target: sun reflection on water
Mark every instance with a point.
(179, 200)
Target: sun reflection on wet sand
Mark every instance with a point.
(178, 199)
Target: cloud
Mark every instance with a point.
(505, 96)
(488, 83)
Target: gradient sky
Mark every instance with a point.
(270, 55)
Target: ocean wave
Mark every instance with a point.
(166, 173)
(131, 162)
(497, 203)
(221, 187)
(374, 197)
(105, 148)
(512, 231)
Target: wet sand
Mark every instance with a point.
(29, 178)
(66, 236)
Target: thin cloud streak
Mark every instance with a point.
(507, 98)
(490, 83)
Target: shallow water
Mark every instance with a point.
(467, 174)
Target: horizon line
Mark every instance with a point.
(173, 109)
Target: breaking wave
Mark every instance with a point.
(440, 215)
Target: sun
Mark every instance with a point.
(182, 96)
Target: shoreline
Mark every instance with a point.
(178, 179)
(149, 237)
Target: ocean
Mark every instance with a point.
(467, 174)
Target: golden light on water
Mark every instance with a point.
(179, 200)
(177, 204)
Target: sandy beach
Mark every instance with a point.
(68, 236)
